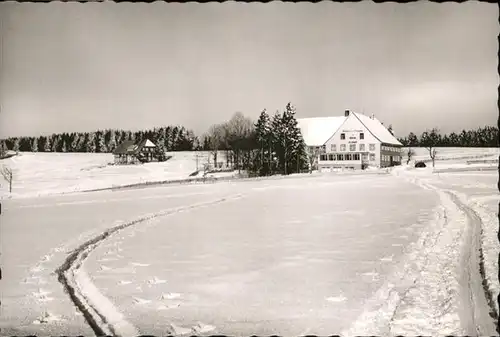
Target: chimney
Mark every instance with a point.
(372, 116)
(346, 113)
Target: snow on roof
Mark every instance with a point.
(317, 130)
(377, 129)
(149, 144)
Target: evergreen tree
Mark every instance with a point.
(168, 138)
(412, 140)
(3, 148)
(90, 145)
(263, 137)
(289, 143)
(34, 145)
(55, 143)
(160, 140)
(15, 146)
(47, 146)
(100, 145)
(112, 142)
(75, 144)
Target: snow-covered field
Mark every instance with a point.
(453, 153)
(351, 254)
(37, 174)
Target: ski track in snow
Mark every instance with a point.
(98, 311)
(427, 294)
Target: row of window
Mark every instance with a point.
(361, 136)
(390, 148)
(388, 158)
(347, 156)
(352, 147)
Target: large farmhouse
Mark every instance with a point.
(352, 141)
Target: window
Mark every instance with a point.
(355, 156)
(372, 147)
(342, 147)
(352, 147)
(323, 149)
(333, 147)
(331, 157)
(372, 156)
(322, 157)
(365, 156)
(361, 147)
(342, 136)
(361, 135)
(348, 156)
(340, 157)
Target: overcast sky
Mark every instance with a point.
(79, 67)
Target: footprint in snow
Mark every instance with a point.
(34, 280)
(41, 296)
(136, 264)
(336, 299)
(373, 275)
(47, 317)
(47, 258)
(170, 296)
(178, 330)
(203, 328)
(107, 259)
(122, 282)
(166, 307)
(37, 269)
(104, 268)
(387, 258)
(156, 280)
(141, 301)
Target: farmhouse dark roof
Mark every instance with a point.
(125, 147)
(130, 147)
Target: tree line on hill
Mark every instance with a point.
(170, 138)
(481, 137)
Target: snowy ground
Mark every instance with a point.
(38, 174)
(351, 254)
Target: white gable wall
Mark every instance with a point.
(352, 128)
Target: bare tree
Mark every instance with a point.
(216, 138)
(8, 176)
(410, 153)
(238, 132)
(430, 139)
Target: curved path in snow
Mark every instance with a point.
(98, 311)
(477, 308)
(346, 264)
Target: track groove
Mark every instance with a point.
(66, 272)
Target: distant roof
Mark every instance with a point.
(317, 130)
(378, 129)
(131, 147)
(149, 143)
(124, 147)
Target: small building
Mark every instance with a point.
(352, 141)
(130, 152)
